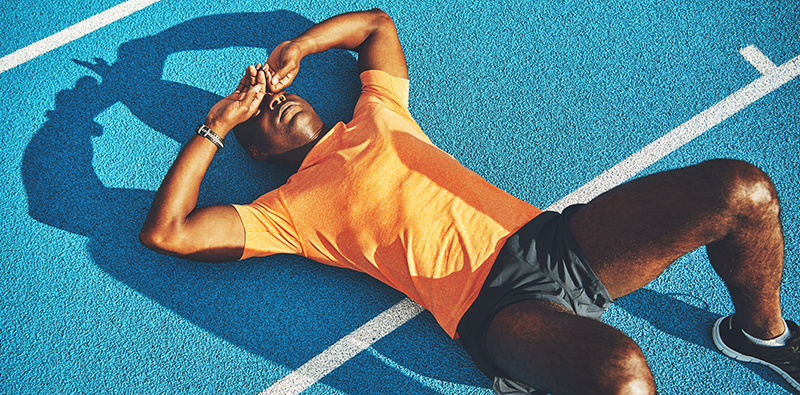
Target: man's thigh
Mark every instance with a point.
(631, 233)
(546, 346)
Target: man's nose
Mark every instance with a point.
(276, 100)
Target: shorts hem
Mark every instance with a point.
(541, 261)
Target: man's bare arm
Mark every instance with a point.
(370, 33)
(175, 225)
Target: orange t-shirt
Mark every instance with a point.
(378, 197)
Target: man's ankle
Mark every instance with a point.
(778, 341)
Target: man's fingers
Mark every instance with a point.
(279, 76)
(262, 77)
(247, 80)
(267, 73)
(242, 83)
(251, 72)
(279, 82)
(257, 91)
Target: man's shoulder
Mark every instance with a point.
(381, 87)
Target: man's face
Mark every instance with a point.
(284, 122)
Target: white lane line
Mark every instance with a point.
(758, 60)
(682, 134)
(366, 335)
(72, 33)
(346, 348)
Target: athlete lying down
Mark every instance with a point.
(522, 289)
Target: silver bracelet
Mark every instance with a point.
(206, 132)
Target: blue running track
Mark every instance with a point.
(539, 97)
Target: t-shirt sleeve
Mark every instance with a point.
(268, 227)
(381, 87)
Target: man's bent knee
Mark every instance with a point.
(634, 376)
(624, 372)
(741, 187)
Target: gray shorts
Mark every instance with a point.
(540, 261)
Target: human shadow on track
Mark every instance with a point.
(675, 317)
(281, 308)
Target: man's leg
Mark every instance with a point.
(546, 346)
(629, 235)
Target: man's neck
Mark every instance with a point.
(295, 157)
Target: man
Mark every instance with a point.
(524, 290)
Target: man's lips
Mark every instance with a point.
(286, 109)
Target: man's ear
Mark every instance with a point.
(256, 153)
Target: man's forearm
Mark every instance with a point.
(345, 31)
(370, 33)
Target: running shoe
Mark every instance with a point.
(729, 338)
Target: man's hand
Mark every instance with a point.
(242, 104)
(370, 33)
(283, 65)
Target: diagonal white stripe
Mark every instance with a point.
(346, 348)
(366, 335)
(72, 33)
(681, 135)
